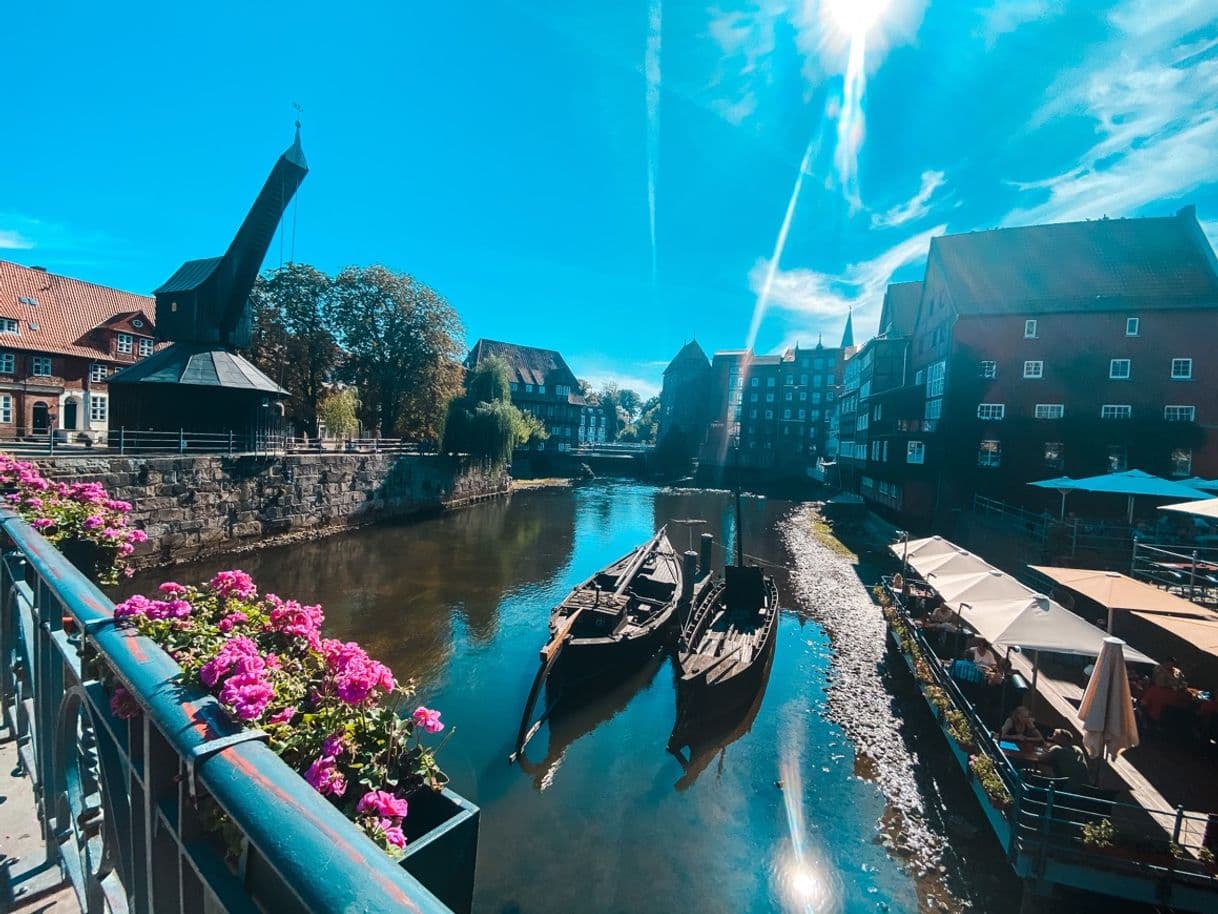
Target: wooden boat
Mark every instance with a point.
(621, 615)
(726, 642)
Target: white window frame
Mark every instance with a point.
(1113, 369)
(1186, 373)
(6, 409)
(1174, 413)
(99, 407)
(10, 325)
(8, 363)
(1034, 369)
(124, 344)
(1116, 411)
(145, 347)
(1029, 329)
(915, 452)
(99, 371)
(992, 412)
(1049, 411)
(1186, 469)
(38, 363)
(1133, 326)
(989, 368)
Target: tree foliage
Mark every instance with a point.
(403, 347)
(337, 411)
(622, 404)
(293, 339)
(483, 423)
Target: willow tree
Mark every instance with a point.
(403, 343)
(483, 423)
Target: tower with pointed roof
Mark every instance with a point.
(848, 331)
(686, 400)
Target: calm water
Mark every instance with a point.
(765, 815)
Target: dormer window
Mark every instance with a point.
(8, 325)
(137, 323)
(125, 343)
(145, 346)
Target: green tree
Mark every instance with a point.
(483, 423)
(645, 427)
(622, 403)
(337, 411)
(403, 346)
(293, 339)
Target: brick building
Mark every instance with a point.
(60, 339)
(542, 384)
(1075, 349)
(684, 404)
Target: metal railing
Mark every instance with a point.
(1172, 848)
(1188, 571)
(128, 807)
(125, 441)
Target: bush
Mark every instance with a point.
(986, 772)
(960, 729)
(1099, 834)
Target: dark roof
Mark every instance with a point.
(848, 332)
(690, 356)
(189, 275)
(199, 366)
(526, 364)
(1163, 263)
(900, 308)
(66, 312)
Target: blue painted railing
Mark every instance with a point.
(124, 805)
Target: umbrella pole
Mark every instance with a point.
(1035, 672)
(1062, 515)
(1131, 510)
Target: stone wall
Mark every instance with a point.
(197, 506)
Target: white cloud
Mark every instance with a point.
(915, 207)
(816, 295)
(1152, 91)
(1006, 16)
(13, 240)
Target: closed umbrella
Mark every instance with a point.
(1109, 727)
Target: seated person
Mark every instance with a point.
(898, 582)
(1021, 728)
(1067, 760)
(1139, 682)
(1158, 697)
(941, 619)
(982, 654)
(1168, 675)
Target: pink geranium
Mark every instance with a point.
(428, 719)
(383, 804)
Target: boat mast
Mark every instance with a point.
(739, 525)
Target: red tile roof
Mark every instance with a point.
(66, 311)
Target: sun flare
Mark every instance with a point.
(855, 17)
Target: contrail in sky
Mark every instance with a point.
(851, 124)
(651, 70)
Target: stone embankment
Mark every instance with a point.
(192, 507)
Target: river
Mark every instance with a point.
(823, 799)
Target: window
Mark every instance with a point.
(771, 382)
(935, 375)
(769, 414)
(803, 380)
(6, 408)
(769, 398)
(8, 363)
(97, 408)
(513, 385)
(934, 409)
(752, 414)
(40, 366)
(920, 377)
(1180, 413)
(1033, 369)
(989, 454)
(1054, 455)
(125, 341)
(145, 346)
(1181, 369)
(878, 412)
(790, 379)
(8, 325)
(814, 414)
(1132, 326)
(803, 413)
(755, 382)
(1118, 458)
(1118, 369)
(752, 398)
(1109, 411)
(989, 369)
(1182, 462)
(788, 396)
(1049, 411)
(786, 414)
(915, 452)
(992, 411)
(1029, 330)
(803, 395)
(541, 388)
(528, 388)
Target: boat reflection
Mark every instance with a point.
(698, 737)
(575, 707)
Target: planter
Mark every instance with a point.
(86, 556)
(442, 846)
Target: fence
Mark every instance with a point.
(182, 441)
(128, 808)
(1100, 544)
(1057, 834)
(1190, 572)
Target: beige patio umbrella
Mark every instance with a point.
(1109, 727)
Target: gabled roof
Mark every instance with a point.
(1158, 263)
(198, 365)
(901, 302)
(66, 312)
(526, 364)
(690, 356)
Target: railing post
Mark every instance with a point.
(230, 442)
(1175, 831)
(51, 445)
(122, 430)
(1045, 825)
(181, 441)
(1192, 578)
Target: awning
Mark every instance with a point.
(977, 587)
(1036, 623)
(1200, 633)
(1205, 507)
(931, 545)
(1113, 590)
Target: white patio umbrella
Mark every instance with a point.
(940, 566)
(1109, 727)
(930, 546)
(977, 586)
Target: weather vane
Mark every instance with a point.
(299, 108)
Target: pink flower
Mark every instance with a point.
(42, 523)
(137, 536)
(240, 653)
(248, 694)
(131, 607)
(334, 746)
(356, 675)
(383, 804)
(428, 719)
(173, 589)
(33, 502)
(234, 584)
(393, 833)
(93, 521)
(324, 777)
(290, 618)
(283, 717)
(123, 704)
(232, 619)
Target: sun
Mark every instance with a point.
(855, 17)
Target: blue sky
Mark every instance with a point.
(606, 179)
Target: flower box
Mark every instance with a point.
(442, 846)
